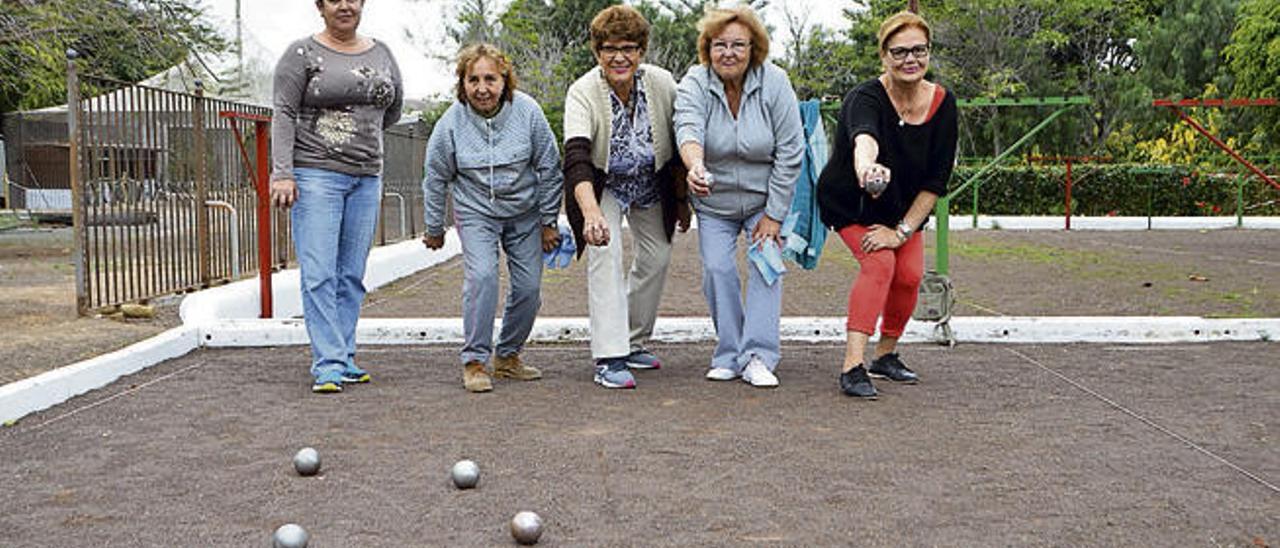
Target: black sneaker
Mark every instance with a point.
(890, 367)
(855, 382)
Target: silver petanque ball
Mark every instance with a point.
(526, 527)
(290, 535)
(876, 185)
(466, 474)
(307, 461)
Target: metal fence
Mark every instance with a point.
(163, 191)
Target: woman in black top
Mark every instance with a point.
(893, 153)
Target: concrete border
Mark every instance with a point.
(240, 299)
(1003, 222)
(48, 389)
(969, 329)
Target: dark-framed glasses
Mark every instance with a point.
(919, 52)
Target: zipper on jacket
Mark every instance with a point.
(493, 197)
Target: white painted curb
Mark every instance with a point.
(240, 299)
(969, 329)
(965, 222)
(51, 388)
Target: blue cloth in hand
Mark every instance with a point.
(767, 258)
(563, 253)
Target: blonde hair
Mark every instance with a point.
(470, 54)
(715, 21)
(899, 21)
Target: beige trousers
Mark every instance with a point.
(624, 304)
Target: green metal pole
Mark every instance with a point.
(941, 211)
(1240, 201)
(1151, 192)
(975, 204)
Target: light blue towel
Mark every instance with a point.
(767, 258)
(803, 230)
(562, 254)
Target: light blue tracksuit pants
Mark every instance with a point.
(521, 239)
(743, 330)
(333, 222)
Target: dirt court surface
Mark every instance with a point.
(38, 308)
(994, 448)
(1219, 273)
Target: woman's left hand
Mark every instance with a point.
(767, 228)
(550, 238)
(880, 237)
(683, 216)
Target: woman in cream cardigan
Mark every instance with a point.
(619, 160)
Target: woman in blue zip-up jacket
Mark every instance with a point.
(739, 132)
(496, 149)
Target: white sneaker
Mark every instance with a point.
(721, 374)
(758, 375)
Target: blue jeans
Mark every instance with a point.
(333, 220)
(481, 237)
(743, 329)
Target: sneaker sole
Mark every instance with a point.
(608, 384)
(326, 388)
(634, 365)
(357, 380)
(879, 376)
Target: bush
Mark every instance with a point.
(1111, 189)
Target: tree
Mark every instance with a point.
(1254, 60)
(124, 40)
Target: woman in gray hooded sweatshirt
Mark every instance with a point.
(496, 149)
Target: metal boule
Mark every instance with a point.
(290, 535)
(526, 527)
(307, 461)
(465, 474)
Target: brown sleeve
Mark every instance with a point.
(577, 168)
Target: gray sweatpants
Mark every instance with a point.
(521, 240)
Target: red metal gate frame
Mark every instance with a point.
(261, 132)
(1068, 160)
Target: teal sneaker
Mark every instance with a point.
(353, 374)
(328, 382)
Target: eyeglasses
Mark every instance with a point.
(737, 47)
(627, 50)
(919, 52)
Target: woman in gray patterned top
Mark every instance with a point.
(335, 92)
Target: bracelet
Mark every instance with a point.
(905, 229)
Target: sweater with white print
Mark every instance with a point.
(502, 167)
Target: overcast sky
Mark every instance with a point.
(271, 25)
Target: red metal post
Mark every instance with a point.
(1068, 194)
(262, 134)
(1224, 147)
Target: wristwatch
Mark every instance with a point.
(904, 230)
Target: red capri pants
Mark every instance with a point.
(887, 284)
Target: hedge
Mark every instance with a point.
(1111, 189)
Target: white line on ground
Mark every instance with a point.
(1148, 422)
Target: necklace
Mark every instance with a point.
(905, 111)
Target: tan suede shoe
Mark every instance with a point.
(475, 378)
(511, 367)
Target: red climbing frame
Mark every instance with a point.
(1176, 106)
